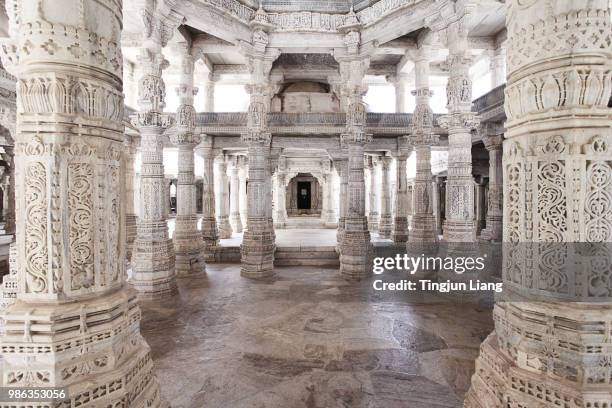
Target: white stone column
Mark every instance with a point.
(459, 226)
(209, 93)
(340, 163)
(356, 248)
(422, 223)
(385, 226)
(551, 345)
(223, 224)
(210, 234)
(187, 239)
(400, 220)
(235, 221)
(280, 209)
(244, 171)
(74, 311)
(400, 86)
(373, 192)
(153, 255)
(130, 145)
(498, 67)
(328, 214)
(493, 143)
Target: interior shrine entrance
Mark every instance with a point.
(304, 196)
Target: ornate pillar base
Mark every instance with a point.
(356, 251)
(400, 230)
(257, 250)
(385, 226)
(153, 271)
(458, 232)
(225, 228)
(188, 246)
(210, 237)
(423, 228)
(493, 230)
(100, 361)
(235, 222)
(130, 234)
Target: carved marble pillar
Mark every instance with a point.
(385, 225)
(341, 165)
(187, 239)
(280, 209)
(210, 234)
(479, 200)
(223, 224)
(400, 221)
(209, 94)
(235, 221)
(373, 192)
(551, 345)
(356, 248)
(493, 229)
(400, 86)
(328, 213)
(129, 154)
(75, 324)
(437, 204)
(153, 251)
(422, 223)
(498, 67)
(258, 242)
(459, 226)
(242, 174)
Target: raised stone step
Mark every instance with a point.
(306, 256)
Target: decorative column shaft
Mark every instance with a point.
(280, 209)
(210, 234)
(328, 213)
(153, 255)
(385, 225)
(209, 94)
(130, 210)
(235, 221)
(341, 165)
(223, 224)
(400, 221)
(373, 216)
(400, 95)
(459, 226)
(493, 230)
(74, 312)
(553, 320)
(243, 189)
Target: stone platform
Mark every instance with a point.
(307, 339)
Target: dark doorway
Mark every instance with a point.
(303, 196)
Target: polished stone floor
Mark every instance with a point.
(309, 339)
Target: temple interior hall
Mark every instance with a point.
(207, 203)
